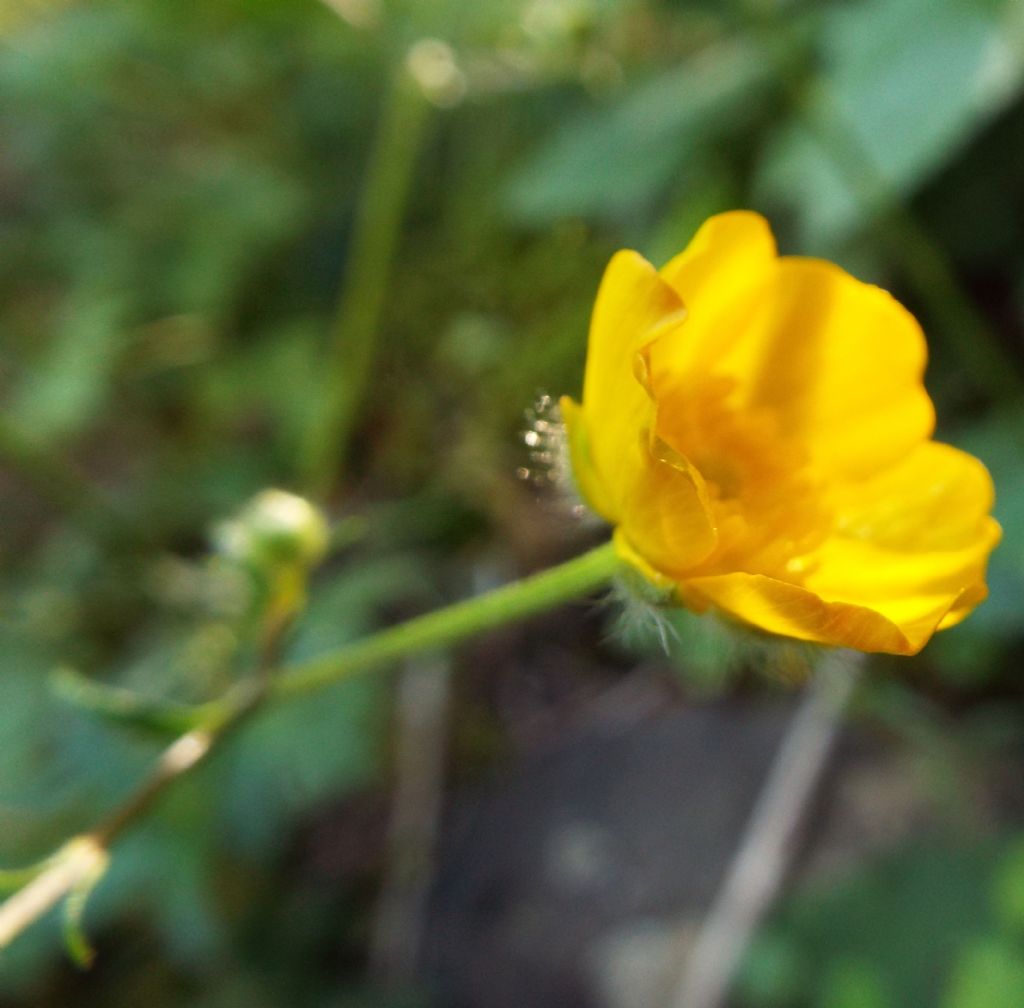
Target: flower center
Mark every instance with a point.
(766, 500)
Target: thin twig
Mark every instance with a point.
(757, 870)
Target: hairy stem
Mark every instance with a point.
(454, 623)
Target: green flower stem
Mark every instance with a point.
(454, 623)
(64, 875)
(431, 632)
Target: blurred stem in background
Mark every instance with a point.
(367, 272)
(79, 863)
(764, 855)
(422, 716)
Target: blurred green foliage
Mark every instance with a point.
(179, 184)
(924, 926)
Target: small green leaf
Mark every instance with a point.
(66, 388)
(76, 943)
(125, 706)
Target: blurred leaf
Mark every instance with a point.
(233, 208)
(66, 388)
(904, 86)
(854, 984)
(1008, 888)
(883, 935)
(608, 163)
(987, 974)
(259, 382)
(772, 973)
(964, 207)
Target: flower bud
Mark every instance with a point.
(275, 529)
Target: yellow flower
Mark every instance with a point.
(756, 429)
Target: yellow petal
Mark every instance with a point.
(718, 276)
(729, 252)
(633, 306)
(920, 529)
(838, 362)
(934, 498)
(908, 557)
(841, 363)
(666, 515)
(659, 501)
(966, 603)
(791, 611)
(587, 481)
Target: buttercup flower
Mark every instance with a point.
(757, 430)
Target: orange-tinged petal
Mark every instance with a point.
(934, 498)
(920, 529)
(865, 573)
(908, 557)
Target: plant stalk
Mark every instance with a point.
(59, 876)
